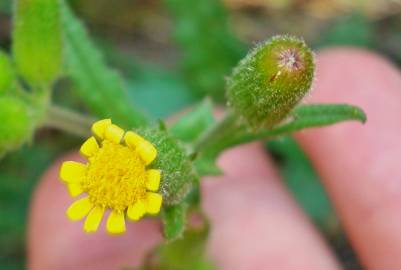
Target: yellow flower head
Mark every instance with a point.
(115, 177)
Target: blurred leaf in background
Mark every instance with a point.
(5, 7)
(352, 30)
(19, 174)
(162, 91)
(208, 47)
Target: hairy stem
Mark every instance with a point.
(68, 121)
(216, 132)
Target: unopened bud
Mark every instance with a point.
(16, 125)
(270, 81)
(37, 40)
(6, 73)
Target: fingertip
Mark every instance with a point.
(359, 164)
(255, 222)
(246, 161)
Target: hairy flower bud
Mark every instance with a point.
(6, 73)
(16, 127)
(37, 40)
(270, 81)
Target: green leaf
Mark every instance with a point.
(305, 116)
(308, 116)
(351, 30)
(189, 127)
(100, 87)
(174, 221)
(37, 40)
(327, 114)
(188, 252)
(209, 49)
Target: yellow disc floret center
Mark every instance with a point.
(116, 177)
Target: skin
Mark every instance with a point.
(255, 222)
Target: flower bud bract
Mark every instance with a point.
(178, 174)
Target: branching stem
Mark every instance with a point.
(68, 121)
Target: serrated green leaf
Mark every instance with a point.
(174, 221)
(327, 114)
(305, 116)
(100, 87)
(308, 116)
(189, 127)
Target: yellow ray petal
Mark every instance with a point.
(147, 151)
(132, 139)
(115, 223)
(74, 189)
(72, 171)
(79, 209)
(136, 211)
(114, 133)
(153, 202)
(99, 127)
(153, 181)
(93, 220)
(89, 147)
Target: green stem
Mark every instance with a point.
(216, 132)
(68, 121)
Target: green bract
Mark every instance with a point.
(178, 175)
(270, 81)
(16, 126)
(6, 73)
(37, 40)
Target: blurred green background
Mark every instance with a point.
(178, 51)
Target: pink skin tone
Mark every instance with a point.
(255, 222)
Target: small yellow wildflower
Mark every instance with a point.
(115, 177)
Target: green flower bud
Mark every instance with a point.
(16, 124)
(178, 174)
(270, 81)
(37, 40)
(6, 73)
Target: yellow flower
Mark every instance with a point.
(115, 178)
